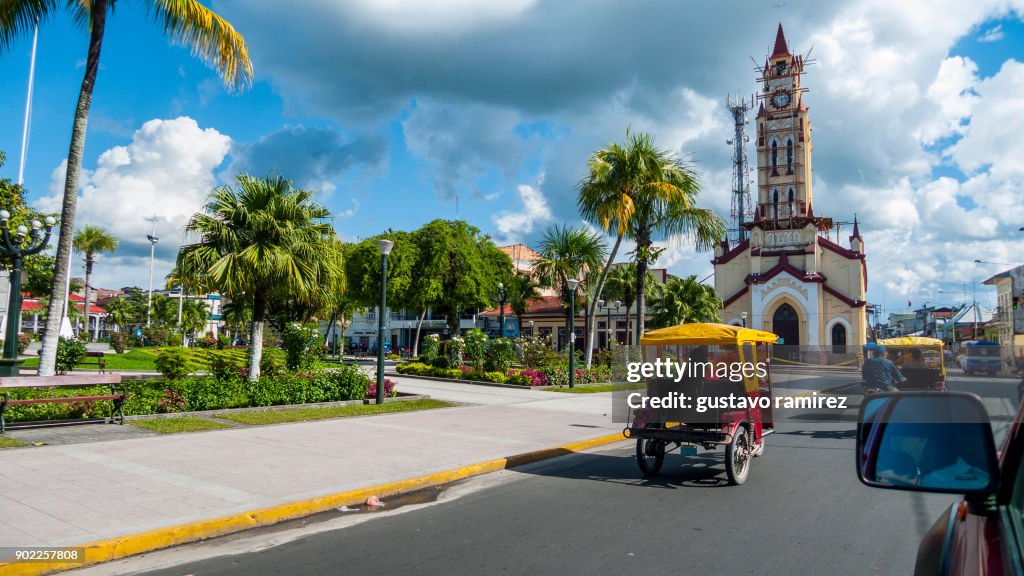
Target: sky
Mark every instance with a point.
(397, 112)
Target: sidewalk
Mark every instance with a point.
(77, 493)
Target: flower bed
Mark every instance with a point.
(553, 376)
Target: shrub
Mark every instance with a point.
(413, 368)
(207, 341)
(301, 345)
(431, 348)
(533, 376)
(224, 367)
(476, 347)
(452, 351)
(603, 357)
(172, 401)
(389, 389)
(119, 342)
(271, 364)
(175, 339)
(70, 351)
(536, 351)
(23, 341)
(441, 361)
(500, 354)
(156, 336)
(394, 357)
(172, 363)
(223, 341)
(518, 379)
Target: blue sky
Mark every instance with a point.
(398, 112)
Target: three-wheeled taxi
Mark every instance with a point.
(724, 371)
(920, 359)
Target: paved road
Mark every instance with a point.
(801, 512)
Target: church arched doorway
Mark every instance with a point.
(839, 339)
(786, 325)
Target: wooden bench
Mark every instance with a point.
(117, 393)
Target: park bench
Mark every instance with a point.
(117, 394)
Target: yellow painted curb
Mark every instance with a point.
(123, 546)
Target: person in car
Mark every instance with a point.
(879, 372)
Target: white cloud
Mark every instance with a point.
(993, 34)
(514, 225)
(167, 170)
(992, 140)
(952, 93)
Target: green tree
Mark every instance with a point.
(262, 240)
(683, 300)
(570, 253)
(237, 315)
(118, 312)
(186, 22)
(621, 285)
(521, 290)
(89, 241)
(194, 316)
(38, 267)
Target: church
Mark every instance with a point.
(783, 273)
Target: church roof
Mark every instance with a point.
(781, 49)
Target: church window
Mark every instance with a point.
(775, 204)
(775, 158)
(789, 156)
(792, 203)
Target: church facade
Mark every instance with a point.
(784, 274)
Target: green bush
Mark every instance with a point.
(431, 348)
(23, 341)
(500, 354)
(301, 345)
(175, 339)
(414, 369)
(536, 352)
(225, 367)
(496, 377)
(70, 351)
(271, 364)
(518, 379)
(394, 357)
(172, 363)
(156, 336)
(476, 347)
(222, 341)
(119, 342)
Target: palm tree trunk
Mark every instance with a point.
(416, 340)
(641, 285)
(54, 314)
(88, 295)
(259, 314)
(592, 313)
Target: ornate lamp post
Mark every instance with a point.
(572, 284)
(13, 246)
(501, 313)
(385, 247)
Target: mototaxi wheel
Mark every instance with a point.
(650, 455)
(759, 448)
(738, 454)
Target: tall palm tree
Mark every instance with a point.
(263, 241)
(618, 175)
(683, 300)
(90, 241)
(194, 315)
(185, 22)
(621, 285)
(569, 253)
(521, 291)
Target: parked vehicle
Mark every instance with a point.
(943, 442)
(741, 431)
(980, 356)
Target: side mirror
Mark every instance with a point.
(926, 442)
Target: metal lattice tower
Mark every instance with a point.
(741, 210)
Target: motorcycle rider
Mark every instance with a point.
(880, 373)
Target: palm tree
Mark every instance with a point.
(194, 316)
(237, 315)
(683, 300)
(621, 285)
(118, 312)
(642, 193)
(187, 22)
(263, 241)
(90, 241)
(521, 291)
(567, 253)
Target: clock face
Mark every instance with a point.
(780, 99)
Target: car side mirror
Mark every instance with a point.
(926, 442)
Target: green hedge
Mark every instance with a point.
(199, 393)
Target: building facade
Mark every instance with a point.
(786, 275)
(1008, 320)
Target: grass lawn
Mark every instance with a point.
(595, 388)
(305, 414)
(176, 425)
(6, 442)
(144, 359)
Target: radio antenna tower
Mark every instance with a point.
(741, 208)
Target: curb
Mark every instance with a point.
(123, 546)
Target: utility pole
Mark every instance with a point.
(152, 257)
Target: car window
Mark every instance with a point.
(1016, 506)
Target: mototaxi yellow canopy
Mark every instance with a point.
(911, 342)
(705, 334)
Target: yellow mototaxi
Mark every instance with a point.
(724, 371)
(920, 359)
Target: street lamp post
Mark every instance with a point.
(501, 312)
(385, 247)
(608, 322)
(572, 284)
(14, 247)
(152, 257)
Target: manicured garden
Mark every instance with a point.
(474, 357)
